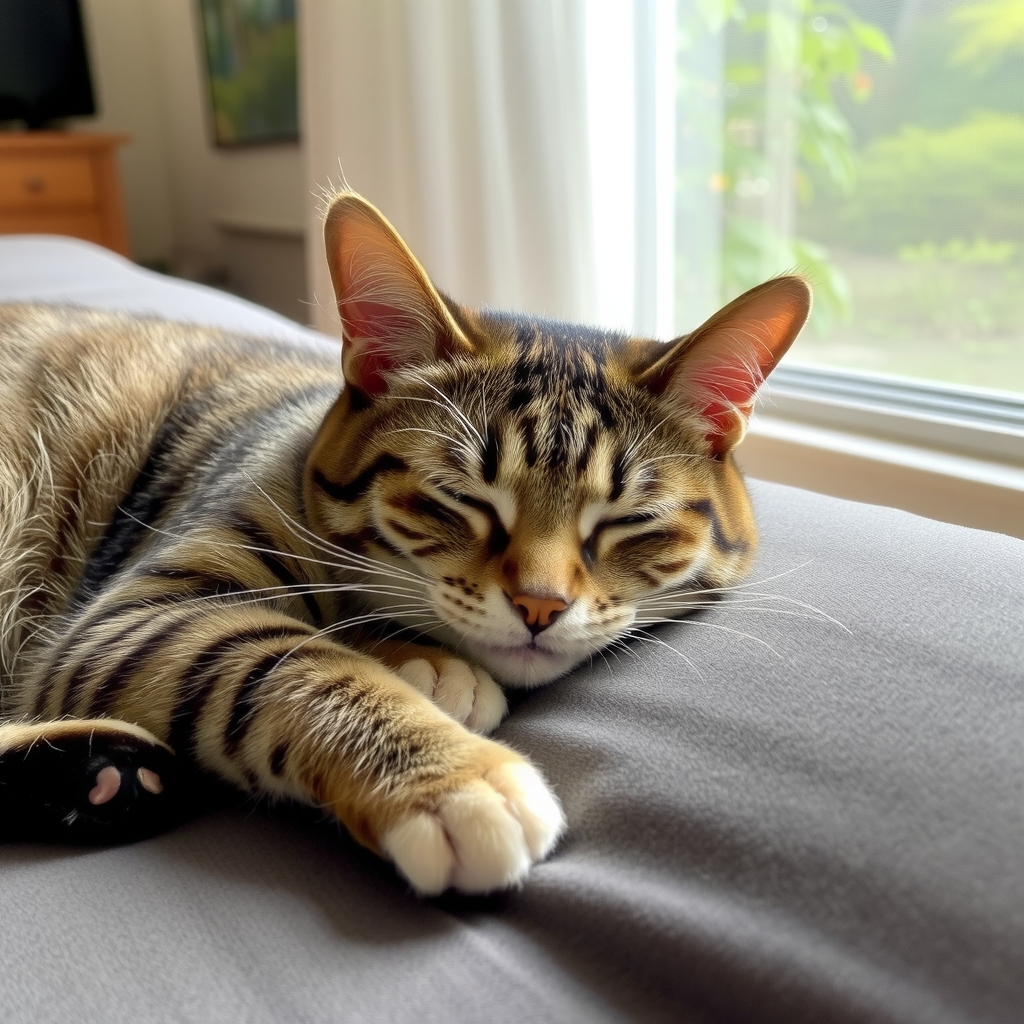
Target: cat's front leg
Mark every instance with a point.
(450, 808)
(258, 698)
(459, 688)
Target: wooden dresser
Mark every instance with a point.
(62, 183)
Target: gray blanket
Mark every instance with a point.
(804, 804)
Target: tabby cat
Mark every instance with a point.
(216, 563)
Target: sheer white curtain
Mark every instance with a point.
(631, 106)
(465, 121)
(556, 156)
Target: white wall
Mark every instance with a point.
(179, 188)
(128, 90)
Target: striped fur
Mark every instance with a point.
(205, 537)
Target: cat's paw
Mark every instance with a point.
(98, 781)
(465, 692)
(484, 835)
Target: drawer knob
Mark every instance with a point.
(35, 184)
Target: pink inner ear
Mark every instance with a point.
(730, 386)
(368, 370)
(370, 330)
(366, 319)
(721, 420)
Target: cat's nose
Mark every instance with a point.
(538, 612)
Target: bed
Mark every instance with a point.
(806, 804)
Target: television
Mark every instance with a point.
(44, 67)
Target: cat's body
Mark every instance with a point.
(204, 548)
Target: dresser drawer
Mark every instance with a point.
(29, 182)
(63, 183)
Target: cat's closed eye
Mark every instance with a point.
(631, 520)
(498, 538)
(590, 544)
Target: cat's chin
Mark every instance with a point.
(524, 666)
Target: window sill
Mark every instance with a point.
(941, 484)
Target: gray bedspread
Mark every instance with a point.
(805, 804)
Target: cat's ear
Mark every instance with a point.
(714, 373)
(391, 314)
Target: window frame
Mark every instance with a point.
(970, 421)
(946, 452)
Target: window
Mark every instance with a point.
(876, 145)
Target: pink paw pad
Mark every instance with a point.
(108, 782)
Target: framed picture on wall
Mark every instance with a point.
(251, 63)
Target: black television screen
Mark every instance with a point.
(44, 68)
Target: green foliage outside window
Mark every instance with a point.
(907, 177)
(990, 30)
(830, 45)
(931, 238)
(961, 184)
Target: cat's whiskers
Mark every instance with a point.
(314, 540)
(363, 620)
(219, 544)
(756, 583)
(619, 644)
(466, 443)
(400, 629)
(674, 592)
(634, 445)
(286, 591)
(724, 629)
(729, 599)
(463, 445)
(223, 544)
(811, 616)
(312, 589)
(374, 568)
(715, 599)
(297, 529)
(459, 414)
(643, 636)
(417, 602)
(297, 590)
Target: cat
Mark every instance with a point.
(217, 562)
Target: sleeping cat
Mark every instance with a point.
(216, 562)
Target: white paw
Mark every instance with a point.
(462, 691)
(484, 836)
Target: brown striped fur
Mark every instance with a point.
(201, 535)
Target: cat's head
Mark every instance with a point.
(531, 491)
